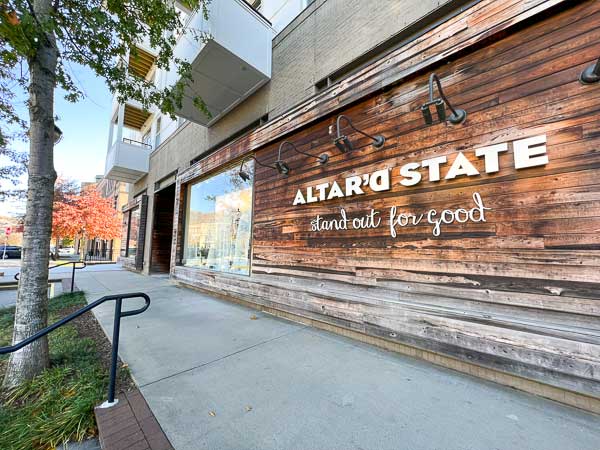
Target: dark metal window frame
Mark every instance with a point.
(127, 236)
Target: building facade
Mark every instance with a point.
(417, 175)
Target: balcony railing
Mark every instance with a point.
(127, 160)
(134, 142)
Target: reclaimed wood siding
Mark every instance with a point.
(519, 293)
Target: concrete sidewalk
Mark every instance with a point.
(10, 267)
(221, 376)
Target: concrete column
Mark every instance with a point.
(120, 121)
(110, 134)
(149, 228)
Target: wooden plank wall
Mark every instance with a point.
(519, 293)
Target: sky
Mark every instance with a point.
(81, 152)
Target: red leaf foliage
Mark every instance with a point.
(87, 214)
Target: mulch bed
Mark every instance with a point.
(88, 327)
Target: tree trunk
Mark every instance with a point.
(32, 297)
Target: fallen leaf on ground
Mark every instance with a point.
(253, 317)
(248, 408)
(212, 413)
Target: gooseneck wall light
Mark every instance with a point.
(345, 145)
(457, 117)
(321, 158)
(591, 74)
(280, 166)
(58, 134)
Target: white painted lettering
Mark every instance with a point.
(410, 174)
(461, 166)
(353, 186)
(491, 158)
(380, 180)
(335, 192)
(321, 189)
(530, 152)
(434, 167)
(310, 198)
(299, 199)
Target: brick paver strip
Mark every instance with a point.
(130, 425)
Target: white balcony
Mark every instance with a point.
(128, 153)
(233, 64)
(127, 160)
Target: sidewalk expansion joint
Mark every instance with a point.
(223, 357)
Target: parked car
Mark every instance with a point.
(66, 251)
(10, 251)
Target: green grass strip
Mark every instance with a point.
(58, 405)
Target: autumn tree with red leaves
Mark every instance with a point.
(87, 215)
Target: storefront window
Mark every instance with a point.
(124, 233)
(129, 232)
(134, 226)
(218, 223)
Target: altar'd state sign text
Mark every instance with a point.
(529, 152)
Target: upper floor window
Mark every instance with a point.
(147, 138)
(157, 133)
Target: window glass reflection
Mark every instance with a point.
(218, 223)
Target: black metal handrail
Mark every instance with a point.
(116, 330)
(64, 264)
(134, 142)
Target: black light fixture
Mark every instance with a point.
(280, 166)
(458, 116)
(591, 74)
(58, 134)
(345, 145)
(56, 137)
(323, 158)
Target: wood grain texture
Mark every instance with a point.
(518, 293)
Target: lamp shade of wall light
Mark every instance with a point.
(343, 143)
(58, 134)
(280, 166)
(590, 74)
(243, 174)
(457, 117)
(322, 159)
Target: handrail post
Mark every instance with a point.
(73, 278)
(115, 352)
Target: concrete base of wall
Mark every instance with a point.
(127, 263)
(563, 396)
